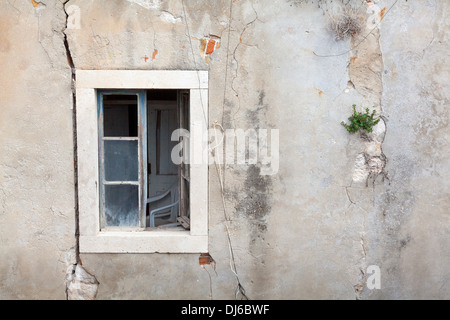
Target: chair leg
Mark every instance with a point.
(152, 218)
(174, 214)
(152, 221)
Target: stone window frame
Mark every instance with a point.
(91, 238)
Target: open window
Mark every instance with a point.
(141, 186)
(133, 196)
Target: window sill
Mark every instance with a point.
(154, 241)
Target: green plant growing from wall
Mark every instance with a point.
(359, 120)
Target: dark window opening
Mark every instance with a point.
(120, 116)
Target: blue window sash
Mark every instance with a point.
(142, 152)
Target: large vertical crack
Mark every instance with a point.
(74, 131)
(240, 291)
(365, 74)
(80, 285)
(236, 74)
(365, 71)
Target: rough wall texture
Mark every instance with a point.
(36, 152)
(338, 202)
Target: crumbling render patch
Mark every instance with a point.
(80, 285)
(365, 70)
(207, 46)
(147, 4)
(168, 17)
(365, 76)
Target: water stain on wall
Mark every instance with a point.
(255, 203)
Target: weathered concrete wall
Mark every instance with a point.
(409, 228)
(338, 202)
(36, 152)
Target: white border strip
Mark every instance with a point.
(142, 79)
(91, 239)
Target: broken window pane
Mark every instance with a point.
(121, 160)
(122, 205)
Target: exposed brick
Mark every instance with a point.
(210, 47)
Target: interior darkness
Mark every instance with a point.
(120, 115)
(162, 94)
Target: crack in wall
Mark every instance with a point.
(13, 5)
(365, 73)
(239, 288)
(251, 208)
(3, 202)
(80, 285)
(74, 121)
(365, 76)
(206, 261)
(237, 62)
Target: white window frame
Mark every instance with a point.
(94, 240)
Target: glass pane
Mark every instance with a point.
(121, 160)
(120, 117)
(121, 206)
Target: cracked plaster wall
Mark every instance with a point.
(36, 153)
(311, 230)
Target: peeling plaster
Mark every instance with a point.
(365, 77)
(155, 52)
(207, 46)
(35, 3)
(168, 17)
(365, 72)
(80, 284)
(147, 4)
